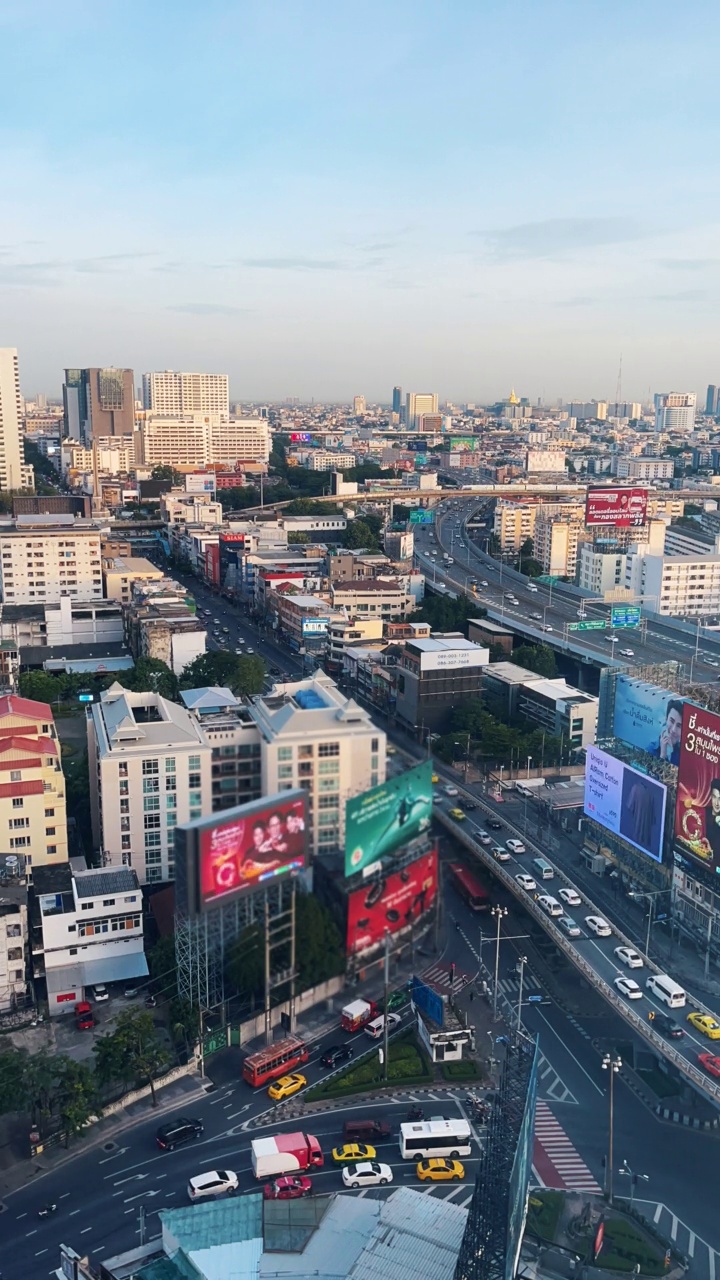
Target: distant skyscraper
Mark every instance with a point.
(419, 402)
(359, 406)
(397, 400)
(98, 402)
(181, 393)
(13, 472)
(711, 400)
(675, 411)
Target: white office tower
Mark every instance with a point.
(14, 474)
(675, 411)
(185, 393)
(418, 403)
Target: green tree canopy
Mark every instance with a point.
(150, 675)
(445, 614)
(536, 657)
(164, 472)
(132, 1052)
(40, 686)
(359, 536)
(243, 674)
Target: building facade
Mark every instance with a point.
(14, 472)
(675, 411)
(13, 947)
(434, 676)
(236, 745)
(98, 402)
(33, 811)
(42, 564)
(418, 403)
(181, 393)
(198, 440)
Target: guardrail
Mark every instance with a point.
(691, 1072)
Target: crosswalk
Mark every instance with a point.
(438, 975)
(555, 1160)
(703, 1257)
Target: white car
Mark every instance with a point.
(550, 904)
(100, 992)
(239, 649)
(611, 639)
(531, 587)
(568, 926)
(249, 650)
(368, 1173)
(569, 896)
(484, 838)
(537, 616)
(547, 627)
(499, 853)
(213, 1185)
(628, 988)
(628, 653)
(526, 882)
(484, 582)
(515, 846)
(629, 957)
(376, 1028)
(581, 613)
(451, 791)
(598, 926)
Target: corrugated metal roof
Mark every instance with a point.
(118, 880)
(417, 1235)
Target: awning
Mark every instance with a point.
(114, 969)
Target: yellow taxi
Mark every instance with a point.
(704, 1023)
(353, 1151)
(435, 778)
(286, 1086)
(457, 815)
(437, 1170)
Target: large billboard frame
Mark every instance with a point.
(696, 833)
(226, 849)
(387, 816)
(626, 802)
(648, 717)
(621, 507)
(391, 902)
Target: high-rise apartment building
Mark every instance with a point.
(199, 439)
(418, 403)
(675, 411)
(33, 813)
(397, 400)
(41, 565)
(711, 400)
(359, 406)
(98, 402)
(14, 473)
(178, 394)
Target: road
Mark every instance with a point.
(544, 611)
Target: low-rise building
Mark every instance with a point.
(33, 811)
(160, 623)
(511, 691)
(43, 559)
(86, 928)
(374, 598)
(681, 586)
(343, 633)
(119, 574)
(303, 621)
(436, 675)
(483, 631)
(13, 947)
(645, 468)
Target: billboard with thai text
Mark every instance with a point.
(697, 809)
(622, 508)
(648, 717)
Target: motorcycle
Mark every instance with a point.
(416, 1113)
(46, 1210)
(150, 1002)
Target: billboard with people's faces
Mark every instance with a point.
(649, 718)
(697, 808)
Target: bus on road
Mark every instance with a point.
(276, 1060)
(449, 1138)
(468, 885)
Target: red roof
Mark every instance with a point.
(19, 731)
(12, 789)
(11, 705)
(36, 746)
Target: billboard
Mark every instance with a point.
(237, 850)
(422, 515)
(391, 903)
(300, 437)
(697, 809)
(380, 820)
(427, 1000)
(626, 802)
(315, 626)
(463, 443)
(622, 508)
(200, 482)
(648, 717)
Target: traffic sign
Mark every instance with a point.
(597, 624)
(626, 616)
(534, 999)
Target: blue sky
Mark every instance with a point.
(325, 199)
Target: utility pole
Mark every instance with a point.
(523, 962)
(386, 1018)
(612, 1065)
(499, 913)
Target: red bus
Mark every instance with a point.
(474, 893)
(275, 1060)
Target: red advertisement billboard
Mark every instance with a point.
(391, 903)
(697, 811)
(212, 563)
(247, 847)
(622, 508)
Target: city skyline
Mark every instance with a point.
(324, 203)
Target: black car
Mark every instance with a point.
(494, 825)
(177, 1132)
(335, 1054)
(665, 1025)
(468, 806)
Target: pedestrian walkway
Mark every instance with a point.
(555, 1160)
(438, 975)
(550, 1084)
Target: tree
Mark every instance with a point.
(245, 963)
(298, 539)
(243, 674)
(163, 472)
(162, 964)
(445, 614)
(77, 1096)
(536, 657)
(40, 686)
(358, 536)
(152, 675)
(132, 1052)
(318, 945)
(40, 1074)
(12, 1088)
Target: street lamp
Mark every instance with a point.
(612, 1065)
(634, 1178)
(499, 913)
(429, 741)
(522, 960)
(651, 895)
(529, 762)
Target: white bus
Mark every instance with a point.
(435, 1138)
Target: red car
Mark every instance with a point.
(287, 1188)
(84, 1017)
(711, 1063)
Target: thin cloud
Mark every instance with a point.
(582, 301)
(208, 309)
(682, 295)
(557, 237)
(107, 261)
(689, 264)
(30, 273)
(295, 264)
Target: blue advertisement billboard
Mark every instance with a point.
(649, 718)
(428, 1001)
(625, 801)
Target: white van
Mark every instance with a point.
(542, 869)
(666, 990)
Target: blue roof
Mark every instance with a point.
(309, 700)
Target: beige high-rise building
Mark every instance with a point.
(178, 394)
(556, 540)
(41, 565)
(417, 404)
(14, 473)
(200, 439)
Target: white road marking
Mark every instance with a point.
(40, 1253)
(85, 1231)
(572, 1055)
(30, 1233)
(21, 1215)
(658, 1213)
(691, 1245)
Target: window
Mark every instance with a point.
(171, 783)
(49, 831)
(17, 804)
(329, 766)
(375, 745)
(150, 785)
(152, 840)
(52, 848)
(49, 813)
(171, 800)
(193, 762)
(327, 802)
(327, 784)
(16, 823)
(124, 788)
(195, 813)
(19, 842)
(151, 820)
(123, 769)
(15, 775)
(284, 753)
(285, 772)
(150, 767)
(125, 842)
(329, 749)
(124, 806)
(151, 803)
(170, 764)
(305, 752)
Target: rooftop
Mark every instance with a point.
(143, 720)
(90, 884)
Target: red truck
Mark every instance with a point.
(355, 1016)
(285, 1153)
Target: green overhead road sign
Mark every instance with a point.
(597, 624)
(626, 616)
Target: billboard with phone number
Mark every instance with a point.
(697, 809)
(622, 508)
(380, 820)
(245, 848)
(625, 801)
(391, 903)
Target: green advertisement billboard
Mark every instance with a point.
(380, 820)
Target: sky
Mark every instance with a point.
(324, 200)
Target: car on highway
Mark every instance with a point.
(457, 815)
(712, 663)
(286, 1086)
(570, 896)
(177, 1132)
(611, 639)
(581, 613)
(451, 791)
(499, 853)
(711, 1063)
(526, 882)
(249, 650)
(289, 1188)
(494, 824)
(484, 582)
(484, 838)
(628, 987)
(547, 627)
(627, 653)
(515, 846)
(570, 927)
(376, 1028)
(336, 1054)
(664, 1024)
(469, 806)
(598, 926)
(537, 616)
(629, 957)
(531, 586)
(706, 1025)
(352, 1152)
(435, 778)
(369, 1173)
(213, 1184)
(550, 905)
(438, 1170)
(239, 649)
